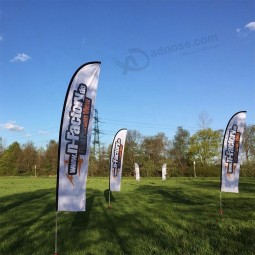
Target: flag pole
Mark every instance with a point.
(109, 200)
(56, 234)
(220, 204)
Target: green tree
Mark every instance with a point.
(154, 150)
(249, 143)
(132, 151)
(29, 159)
(10, 160)
(2, 146)
(205, 146)
(103, 162)
(40, 161)
(248, 166)
(180, 149)
(99, 166)
(93, 162)
(51, 158)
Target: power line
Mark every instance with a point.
(146, 124)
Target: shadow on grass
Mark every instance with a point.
(194, 214)
(25, 218)
(149, 220)
(81, 219)
(106, 196)
(204, 183)
(27, 222)
(246, 185)
(176, 195)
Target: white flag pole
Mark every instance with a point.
(56, 234)
(109, 200)
(220, 204)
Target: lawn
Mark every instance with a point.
(178, 216)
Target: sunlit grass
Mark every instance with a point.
(178, 216)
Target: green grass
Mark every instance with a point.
(179, 216)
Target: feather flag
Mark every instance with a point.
(116, 160)
(164, 172)
(74, 138)
(137, 172)
(231, 150)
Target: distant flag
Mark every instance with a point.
(116, 160)
(231, 150)
(74, 138)
(164, 172)
(137, 172)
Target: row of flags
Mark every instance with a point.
(137, 172)
(75, 138)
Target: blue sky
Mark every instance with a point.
(163, 64)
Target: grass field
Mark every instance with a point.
(179, 216)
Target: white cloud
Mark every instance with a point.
(251, 26)
(246, 30)
(21, 57)
(12, 126)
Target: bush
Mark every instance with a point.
(248, 170)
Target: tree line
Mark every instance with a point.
(185, 155)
